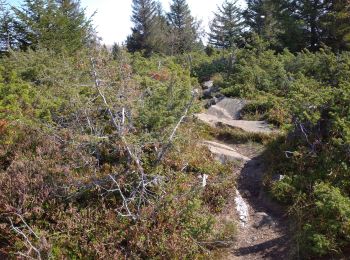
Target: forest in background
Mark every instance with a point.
(99, 154)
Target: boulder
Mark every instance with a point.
(233, 107)
(211, 102)
(210, 92)
(207, 84)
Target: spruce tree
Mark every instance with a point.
(291, 34)
(310, 13)
(55, 25)
(144, 19)
(260, 17)
(226, 26)
(183, 27)
(159, 39)
(32, 20)
(116, 50)
(336, 25)
(7, 37)
(311, 23)
(75, 27)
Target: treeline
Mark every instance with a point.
(292, 24)
(299, 24)
(172, 33)
(295, 25)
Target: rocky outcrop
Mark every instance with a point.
(248, 126)
(227, 111)
(224, 153)
(229, 108)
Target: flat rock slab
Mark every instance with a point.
(248, 126)
(224, 152)
(228, 108)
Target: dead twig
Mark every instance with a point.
(172, 135)
(27, 241)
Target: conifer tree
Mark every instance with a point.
(159, 39)
(56, 25)
(183, 27)
(7, 40)
(310, 13)
(299, 24)
(144, 19)
(336, 24)
(226, 26)
(260, 17)
(116, 51)
(75, 26)
(290, 35)
(317, 22)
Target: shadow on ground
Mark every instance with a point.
(267, 217)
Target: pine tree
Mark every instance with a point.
(144, 19)
(226, 26)
(183, 27)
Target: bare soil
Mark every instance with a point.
(266, 235)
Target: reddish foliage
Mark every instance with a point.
(161, 75)
(3, 125)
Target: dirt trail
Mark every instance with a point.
(263, 233)
(265, 236)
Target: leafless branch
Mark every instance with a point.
(141, 189)
(27, 241)
(125, 200)
(172, 135)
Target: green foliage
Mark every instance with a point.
(167, 100)
(205, 66)
(60, 26)
(262, 19)
(276, 83)
(19, 100)
(336, 24)
(155, 32)
(300, 24)
(183, 27)
(57, 144)
(7, 39)
(226, 26)
(329, 229)
(144, 19)
(168, 91)
(314, 157)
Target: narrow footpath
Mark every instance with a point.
(263, 228)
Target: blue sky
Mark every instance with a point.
(112, 19)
